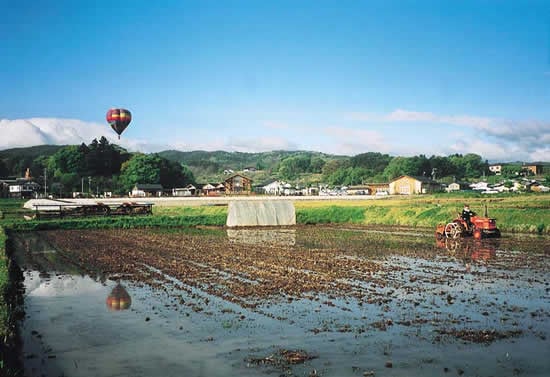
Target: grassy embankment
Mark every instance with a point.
(4, 279)
(9, 362)
(528, 213)
(514, 213)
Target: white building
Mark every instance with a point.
(274, 188)
(497, 169)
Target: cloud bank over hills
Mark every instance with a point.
(58, 131)
(490, 138)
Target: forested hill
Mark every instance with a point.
(117, 170)
(211, 163)
(14, 161)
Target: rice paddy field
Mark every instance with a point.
(358, 288)
(311, 300)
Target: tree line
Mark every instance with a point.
(376, 167)
(101, 166)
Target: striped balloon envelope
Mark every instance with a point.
(119, 119)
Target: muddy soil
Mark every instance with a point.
(301, 301)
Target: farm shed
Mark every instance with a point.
(375, 188)
(188, 190)
(143, 190)
(409, 185)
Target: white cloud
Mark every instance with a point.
(495, 140)
(492, 138)
(400, 115)
(235, 144)
(487, 150)
(351, 141)
(58, 131)
(37, 131)
(259, 144)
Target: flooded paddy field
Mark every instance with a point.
(301, 301)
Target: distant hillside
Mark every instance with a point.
(14, 162)
(205, 164)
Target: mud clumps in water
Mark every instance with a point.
(480, 336)
(238, 273)
(282, 358)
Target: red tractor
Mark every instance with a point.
(479, 227)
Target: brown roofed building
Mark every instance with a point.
(238, 184)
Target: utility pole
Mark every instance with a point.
(82, 183)
(89, 186)
(45, 182)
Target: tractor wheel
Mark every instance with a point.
(478, 234)
(453, 230)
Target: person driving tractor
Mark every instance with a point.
(467, 214)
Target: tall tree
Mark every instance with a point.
(143, 168)
(374, 161)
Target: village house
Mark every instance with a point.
(534, 169)
(273, 188)
(24, 187)
(19, 188)
(146, 190)
(238, 184)
(457, 186)
(188, 190)
(409, 185)
(209, 189)
(496, 169)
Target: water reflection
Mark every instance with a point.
(278, 237)
(119, 298)
(470, 250)
(41, 284)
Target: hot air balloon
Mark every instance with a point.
(119, 299)
(119, 119)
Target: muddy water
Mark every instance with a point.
(384, 302)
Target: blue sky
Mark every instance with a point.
(344, 77)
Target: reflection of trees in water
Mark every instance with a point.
(31, 250)
(278, 237)
(119, 298)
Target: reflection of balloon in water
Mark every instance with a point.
(119, 299)
(119, 119)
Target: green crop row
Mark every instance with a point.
(4, 279)
(121, 222)
(9, 364)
